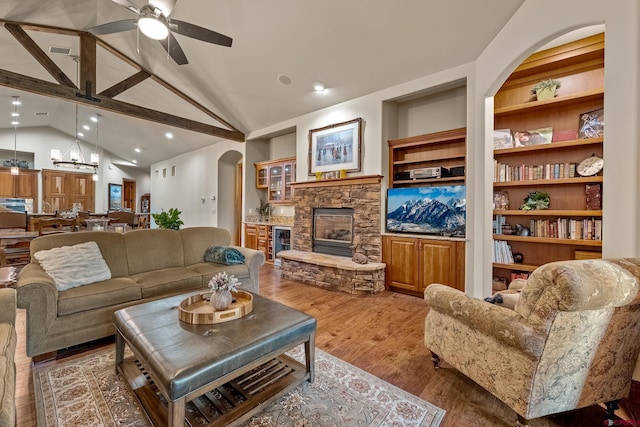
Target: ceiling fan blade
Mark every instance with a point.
(126, 3)
(171, 45)
(196, 32)
(114, 27)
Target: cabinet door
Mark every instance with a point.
(437, 263)
(289, 173)
(250, 236)
(55, 189)
(27, 185)
(7, 184)
(262, 176)
(400, 254)
(276, 188)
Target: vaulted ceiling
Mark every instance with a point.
(355, 47)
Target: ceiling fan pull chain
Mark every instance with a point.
(168, 48)
(138, 39)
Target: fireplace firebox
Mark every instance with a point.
(333, 231)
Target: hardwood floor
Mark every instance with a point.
(381, 334)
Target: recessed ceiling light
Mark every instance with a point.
(137, 150)
(169, 135)
(15, 114)
(318, 86)
(85, 127)
(80, 134)
(134, 161)
(14, 123)
(94, 118)
(16, 101)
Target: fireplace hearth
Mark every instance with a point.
(333, 231)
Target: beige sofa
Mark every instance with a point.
(571, 341)
(7, 354)
(145, 265)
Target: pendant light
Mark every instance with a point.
(15, 170)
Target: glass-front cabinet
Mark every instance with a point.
(276, 176)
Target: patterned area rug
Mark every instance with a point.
(86, 392)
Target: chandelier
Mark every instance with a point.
(73, 157)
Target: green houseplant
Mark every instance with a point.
(169, 219)
(264, 210)
(546, 89)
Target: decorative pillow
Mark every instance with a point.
(223, 255)
(73, 266)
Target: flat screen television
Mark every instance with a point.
(435, 210)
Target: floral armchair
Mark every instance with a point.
(571, 341)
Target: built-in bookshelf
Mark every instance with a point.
(572, 223)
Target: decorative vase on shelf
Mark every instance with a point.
(221, 299)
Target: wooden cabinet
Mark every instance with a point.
(550, 167)
(24, 185)
(444, 150)
(276, 177)
(63, 189)
(413, 263)
(258, 237)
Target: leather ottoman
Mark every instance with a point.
(186, 361)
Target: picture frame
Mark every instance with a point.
(500, 200)
(502, 139)
(336, 147)
(526, 138)
(591, 124)
(115, 197)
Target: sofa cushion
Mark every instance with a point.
(111, 247)
(72, 266)
(223, 255)
(7, 390)
(155, 249)
(167, 281)
(101, 294)
(196, 240)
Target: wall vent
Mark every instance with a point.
(60, 50)
(44, 113)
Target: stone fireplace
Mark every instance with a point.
(360, 197)
(332, 231)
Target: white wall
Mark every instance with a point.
(40, 141)
(196, 177)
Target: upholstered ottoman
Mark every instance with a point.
(186, 361)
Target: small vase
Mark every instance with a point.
(221, 299)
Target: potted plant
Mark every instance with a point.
(264, 210)
(169, 219)
(546, 89)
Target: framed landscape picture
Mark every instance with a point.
(335, 147)
(115, 197)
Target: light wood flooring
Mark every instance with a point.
(381, 334)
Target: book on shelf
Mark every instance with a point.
(502, 252)
(567, 228)
(506, 173)
(519, 275)
(594, 197)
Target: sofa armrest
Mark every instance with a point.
(8, 305)
(37, 293)
(502, 324)
(253, 259)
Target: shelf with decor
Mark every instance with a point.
(443, 151)
(549, 154)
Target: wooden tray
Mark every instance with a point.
(197, 309)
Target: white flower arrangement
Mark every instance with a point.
(222, 281)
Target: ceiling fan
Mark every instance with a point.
(154, 22)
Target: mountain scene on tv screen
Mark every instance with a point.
(429, 216)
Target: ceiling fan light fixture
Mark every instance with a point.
(153, 27)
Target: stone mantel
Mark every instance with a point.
(352, 180)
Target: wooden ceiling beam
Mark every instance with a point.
(40, 55)
(42, 87)
(125, 84)
(88, 46)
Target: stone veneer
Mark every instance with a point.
(362, 194)
(364, 199)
